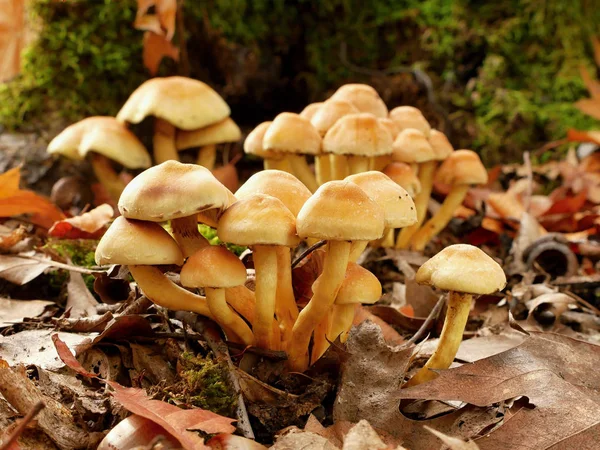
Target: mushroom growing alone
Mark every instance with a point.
(339, 212)
(364, 97)
(464, 271)
(462, 169)
(214, 268)
(176, 103)
(106, 140)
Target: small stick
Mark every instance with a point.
(307, 252)
(22, 425)
(432, 315)
(275, 355)
(527, 161)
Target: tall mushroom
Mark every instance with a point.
(339, 212)
(214, 268)
(295, 137)
(207, 139)
(462, 169)
(364, 97)
(106, 140)
(176, 103)
(464, 271)
(263, 223)
(410, 117)
(176, 192)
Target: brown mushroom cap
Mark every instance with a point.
(462, 167)
(340, 210)
(411, 146)
(330, 112)
(364, 97)
(358, 134)
(172, 190)
(276, 183)
(132, 242)
(253, 145)
(258, 219)
(310, 110)
(462, 268)
(218, 133)
(185, 103)
(399, 208)
(402, 174)
(440, 144)
(214, 267)
(105, 136)
(390, 125)
(410, 117)
(359, 286)
(291, 133)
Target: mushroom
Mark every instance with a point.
(309, 111)
(359, 286)
(364, 97)
(410, 117)
(339, 212)
(207, 139)
(263, 223)
(106, 139)
(253, 145)
(295, 137)
(464, 271)
(141, 246)
(323, 119)
(293, 194)
(357, 137)
(214, 268)
(412, 147)
(176, 103)
(379, 162)
(462, 169)
(440, 144)
(176, 192)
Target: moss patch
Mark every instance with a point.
(80, 252)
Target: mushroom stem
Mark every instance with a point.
(426, 171)
(265, 264)
(325, 290)
(343, 316)
(185, 232)
(207, 156)
(339, 166)
(164, 141)
(224, 316)
(358, 247)
(107, 176)
(441, 218)
(358, 164)
(301, 170)
(286, 309)
(320, 342)
(322, 168)
(388, 238)
(277, 164)
(459, 305)
(379, 162)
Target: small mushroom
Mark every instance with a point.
(379, 162)
(364, 97)
(464, 271)
(410, 117)
(309, 111)
(253, 145)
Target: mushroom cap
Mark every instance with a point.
(253, 145)
(462, 268)
(410, 117)
(224, 131)
(330, 112)
(411, 146)
(185, 103)
(402, 174)
(358, 134)
(390, 125)
(359, 286)
(105, 136)
(399, 208)
(172, 190)
(440, 144)
(213, 266)
(133, 242)
(279, 184)
(309, 111)
(364, 97)
(210, 217)
(340, 211)
(258, 219)
(462, 167)
(291, 133)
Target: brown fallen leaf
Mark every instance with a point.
(589, 106)
(80, 301)
(14, 311)
(390, 335)
(12, 238)
(163, 22)
(296, 439)
(156, 47)
(233, 442)
(452, 442)
(19, 270)
(90, 225)
(134, 432)
(362, 436)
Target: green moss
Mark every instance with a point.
(211, 235)
(80, 252)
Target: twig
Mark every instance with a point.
(273, 355)
(69, 267)
(529, 192)
(583, 302)
(22, 425)
(307, 252)
(432, 315)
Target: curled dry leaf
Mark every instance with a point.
(90, 225)
(163, 22)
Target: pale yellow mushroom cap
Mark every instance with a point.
(462, 268)
(440, 144)
(411, 146)
(291, 133)
(213, 266)
(403, 174)
(390, 125)
(253, 145)
(185, 103)
(359, 286)
(410, 117)
(218, 133)
(462, 167)
(358, 134)
(364, 97)
(330, 112)
(310, 110)
(105, 136)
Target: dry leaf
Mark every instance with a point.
(233, 442)
(90, 225)
(19, 270)
(156, 47)
(390, 335)
(452, 442)
(592, 85)
(166, 11)
(363, 437)
(80, 301)
(589, 106)
(134, 432)
(14, 311)
(12, 37)
(297, 439)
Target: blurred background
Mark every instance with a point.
(497, 77)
